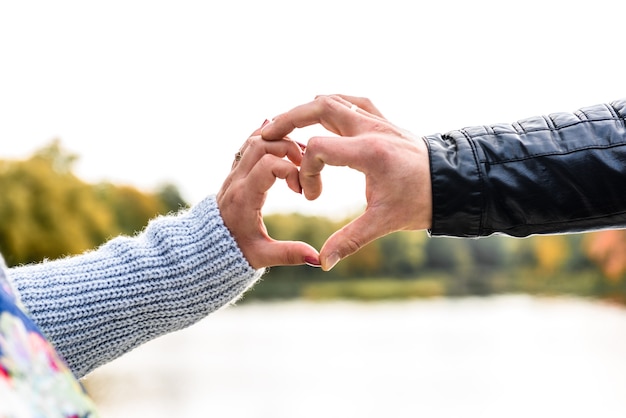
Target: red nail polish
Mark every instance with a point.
(312, 261)
(265, 123)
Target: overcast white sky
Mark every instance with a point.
(153, 91)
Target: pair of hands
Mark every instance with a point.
(394, 162)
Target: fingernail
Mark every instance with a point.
(312, 261)
(267, 122)
(301, 145)
(331, 261)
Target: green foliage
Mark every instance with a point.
(402, 253)
(47, 212)
(409, 264)
(130, 208)
(170, 198)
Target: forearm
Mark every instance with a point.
(561, 173)
(99, 305)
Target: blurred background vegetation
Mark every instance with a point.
(47, 212)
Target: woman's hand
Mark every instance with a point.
(256, 167)
(395, 164)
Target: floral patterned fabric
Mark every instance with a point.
(34, 381)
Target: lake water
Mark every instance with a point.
(511, 356)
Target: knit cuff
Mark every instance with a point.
(99, 305)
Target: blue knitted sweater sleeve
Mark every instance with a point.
(97, 306)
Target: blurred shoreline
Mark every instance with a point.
(513, 355)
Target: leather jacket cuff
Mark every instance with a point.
(456, 186)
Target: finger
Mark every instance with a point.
(257, 132)
(256, 148)
(342, 152)
(265, 172)
(329, 111)
(286, 253)
(361, 106)
(363, 103)
(349, 239)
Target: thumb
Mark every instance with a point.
(349, 239)
(287, 253)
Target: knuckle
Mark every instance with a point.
(266, 161)
(327, 102)
(351, 246)
(293, 258)
(253, 142)
(366, 102)
(323, 98)
(313, 143)
(238, 190)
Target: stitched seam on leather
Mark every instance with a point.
(619, 119)
(554, 154)
(550, 123)
(612, 110)
(482, 182)
(569, 221)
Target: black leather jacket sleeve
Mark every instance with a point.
(565, 172)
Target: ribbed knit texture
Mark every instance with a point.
(102, 304)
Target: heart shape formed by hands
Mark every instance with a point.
(394, 162)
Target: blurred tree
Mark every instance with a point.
(608, 250)
(402, 253)
(294, 226)
(60, 160)
(366, 262)
(551, 252)
(170, 198)
(492, 252)
(130, 207)
(47, 212)
(450, 255)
